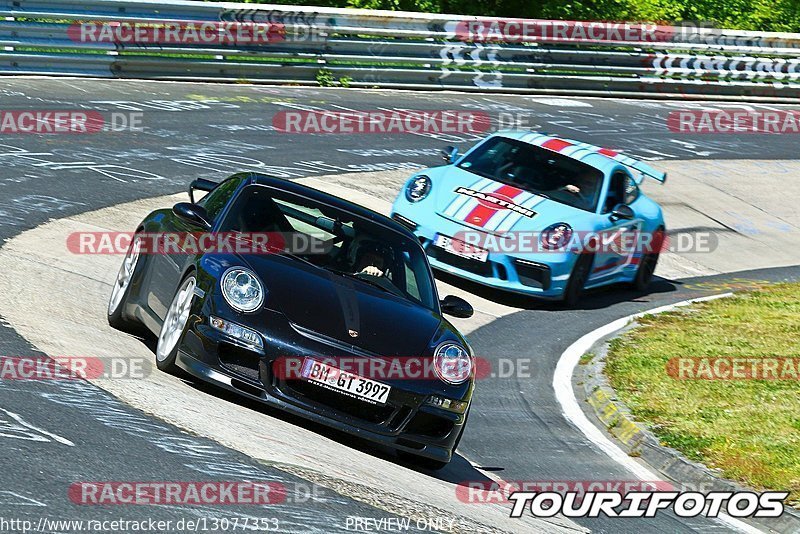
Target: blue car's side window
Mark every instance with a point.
(621, 190)
(631, 190)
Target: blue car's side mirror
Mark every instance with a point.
(450, 154)
(622, 211)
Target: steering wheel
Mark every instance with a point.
(381, 281)
(577, 193)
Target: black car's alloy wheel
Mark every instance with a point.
(174, 325)
(117, 302)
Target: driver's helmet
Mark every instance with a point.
(361, 248)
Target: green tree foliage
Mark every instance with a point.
(762, 15)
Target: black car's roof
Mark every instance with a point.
(316, 194)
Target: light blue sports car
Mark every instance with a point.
(536, 214)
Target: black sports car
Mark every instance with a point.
(294, 323)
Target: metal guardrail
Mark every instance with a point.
(362, 48)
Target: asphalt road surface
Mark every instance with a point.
(516, 429)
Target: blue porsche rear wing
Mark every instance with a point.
(564, 145)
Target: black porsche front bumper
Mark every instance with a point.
(405, 422)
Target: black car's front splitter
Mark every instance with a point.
(214, 376)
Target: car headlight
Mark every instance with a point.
(242, 289)
(418, 188)
(452, 363)
(556, 236)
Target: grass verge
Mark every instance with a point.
(749, 428)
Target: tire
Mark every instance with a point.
(644, 274)
(577, 279)
(129, 271)
(647, 266)
(174, 326)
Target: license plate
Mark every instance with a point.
(343, 382)
(460, 248)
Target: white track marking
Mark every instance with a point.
(562, 384)
(21, 421)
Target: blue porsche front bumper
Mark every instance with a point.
(540, 274)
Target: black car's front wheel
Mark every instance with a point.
(174, 325)
(118, 301)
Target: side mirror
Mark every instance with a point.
(450, 154)
(192, 213)
(457, 307)
(622, 211)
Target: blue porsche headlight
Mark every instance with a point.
(418, 188)
(242, 289)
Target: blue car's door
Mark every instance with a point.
(616, 251)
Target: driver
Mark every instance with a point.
(371, 257)
(582, 184)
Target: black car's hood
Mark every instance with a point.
(333, 305)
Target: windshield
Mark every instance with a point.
(536, 170)
(335, 240)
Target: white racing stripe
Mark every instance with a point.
(509, 222)
(472, 203)
(562, 384)
(458, 202)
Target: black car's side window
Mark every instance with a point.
(216, 200)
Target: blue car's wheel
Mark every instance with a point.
(577, 279)
(647, 265)
(644, 274)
